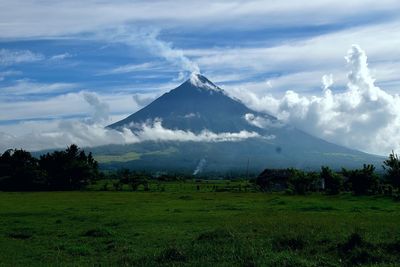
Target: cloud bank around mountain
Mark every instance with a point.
(91, 132)
(363, 117)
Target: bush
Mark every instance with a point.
(363, 181)
(301, 182)
(392, 168)
(333, 182)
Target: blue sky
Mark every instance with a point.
(129, 52)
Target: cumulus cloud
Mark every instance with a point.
(327, 81)
(363, 117)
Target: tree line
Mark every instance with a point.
(363, 181)
(71, 169)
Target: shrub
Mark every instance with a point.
(333, 182)
(363, 181)
(392, 168)
(301, 182)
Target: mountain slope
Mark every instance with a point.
(195, 105)
(199, 105)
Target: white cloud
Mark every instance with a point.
(27, 87)
(327, 81)
(64, 105)
(261, 122)
(155, 131)
(60, 56)
(144, 99)
(299, 64)
(34, 18)
(148, 38)
(11, 57)
(37, 135)
(101, 110)
(8, 73)
(58, 134)
(131, 68)
(363, 117)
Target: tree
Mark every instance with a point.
(133, 179)
(363, 181)
(333, 182)
(70, 169)
(392, 168)
(301, 182)
(19, 171)
(273, 179)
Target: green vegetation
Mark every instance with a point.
(133, 218)
(131, 156)
(184, 226)
(118, 158)
(71, 169)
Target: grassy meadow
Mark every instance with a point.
(197, 224)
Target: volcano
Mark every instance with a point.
(194, 106)
(199, 105)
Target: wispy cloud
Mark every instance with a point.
(130, 68)
(60, 18)
(11, 57)
(26, 87)
(149, 39)
(60, 56)
(8, 73)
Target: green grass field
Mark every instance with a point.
(185, 227)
